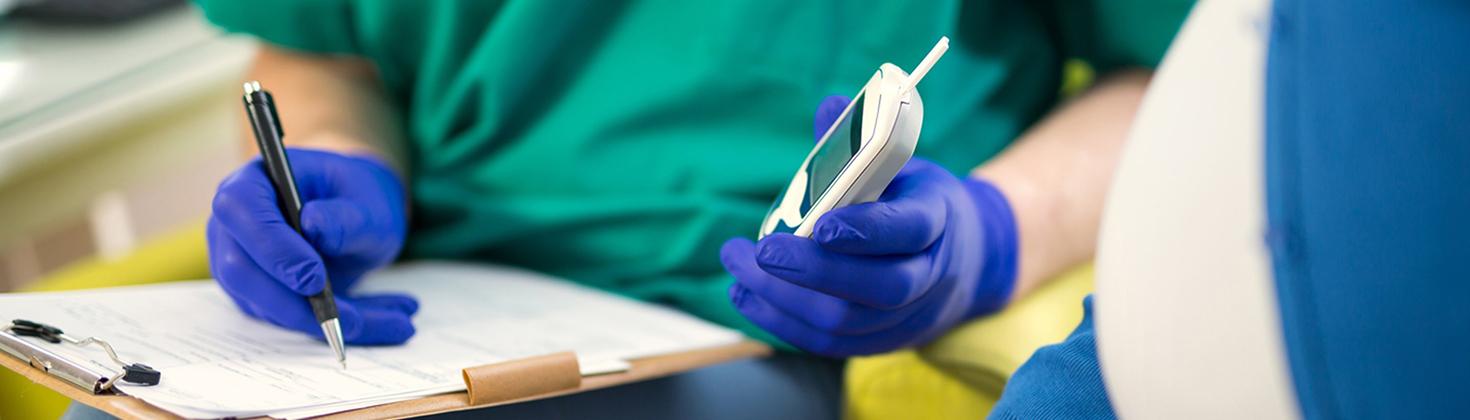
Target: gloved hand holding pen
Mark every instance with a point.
(353, 220)
(933, 251)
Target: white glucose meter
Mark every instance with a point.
(860, 154)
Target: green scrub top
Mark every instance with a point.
(619, 143)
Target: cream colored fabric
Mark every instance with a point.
(1186, 310)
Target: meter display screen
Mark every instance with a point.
(819, 172)
(834, 153)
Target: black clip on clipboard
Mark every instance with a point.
(13, 341)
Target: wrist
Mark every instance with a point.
(350, 145)
(1001, 245)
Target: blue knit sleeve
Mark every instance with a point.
(1061, 381)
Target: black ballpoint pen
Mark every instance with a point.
(261, 109)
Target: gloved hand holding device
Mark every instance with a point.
(354, 221)
(933, 251)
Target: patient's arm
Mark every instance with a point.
(1058, 172)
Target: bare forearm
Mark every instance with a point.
(333, 103)
(1058, 173)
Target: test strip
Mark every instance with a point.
(929, 60)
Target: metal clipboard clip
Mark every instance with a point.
(12, 341)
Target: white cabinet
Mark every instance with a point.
(111, 134)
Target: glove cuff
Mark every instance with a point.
(1002, 247)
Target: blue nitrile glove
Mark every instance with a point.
(933, 251)
(353, 221)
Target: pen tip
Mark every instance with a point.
(252, 87)
(332, 330)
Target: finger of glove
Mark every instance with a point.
(825, 312)
(911, 331)
(883, 282)
(245, 206)
(401, 302)
(789, 329)
(907, 219)
(270, 300)
(376, 321)
(224, 256)
(341, 227)
(827, 114)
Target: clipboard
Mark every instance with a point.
(640, 346)
(486, 386)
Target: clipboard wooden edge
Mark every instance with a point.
(125, 407)
(642, 369)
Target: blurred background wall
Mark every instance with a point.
(101, 115)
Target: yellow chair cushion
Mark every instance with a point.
(178, 255)
(963, 373)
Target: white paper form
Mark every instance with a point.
(216, 362)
